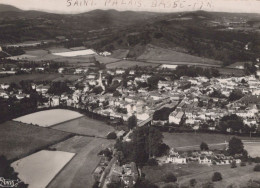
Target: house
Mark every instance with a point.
(204, 160)
(3, 93)
(176, 160)
(120, 71)
(164, 84)
(105, 53)
(132, 72)
(176, 117)
(55, 101)
(78, 71)
(60, 70)
(42, 89)
(40, 69)
(21, 96)
(5, 86)
(91, 76)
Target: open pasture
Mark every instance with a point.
(18, 140)
(49, 117)
(120, 53)
(40, 168)
(78, 173)
(192, 141)
(253, 149)
(76, 53)
(162, 54)
(127, 64)
(202, 173)
(85, 126)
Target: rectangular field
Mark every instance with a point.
(19, 140)
(49, 118)
(40, 168)
(78, 173)
(192, 141)
(85, 126)
(127, 64)
(253, 149)
(75, 53)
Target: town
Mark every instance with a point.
(129, 99)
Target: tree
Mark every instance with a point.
(95, 185)
(235, 146)
(235, 95)
(233, 164)
(152, 162)
(193, 182)
(132, 122)
(232, 122)
(169, 177)
(171, 186)
(111, 135)
(257, 168)
(204, 146)
(7, 172)
(208, 185)
(114, 185)
(216, 176)
(57, 88)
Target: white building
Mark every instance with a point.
(176, 117)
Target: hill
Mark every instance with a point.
(218, 36)
(9, 8)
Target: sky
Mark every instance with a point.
(77, 6)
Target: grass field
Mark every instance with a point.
(161, 54)
(85, 126)
(48, 118)
(127, 64)
(227, 71)
(38, 77)
(40, 168)
(75, 53)
(19, 140)
(202, 173)
(253, 149)
(180, 141)
(78, 173)
(120, 53)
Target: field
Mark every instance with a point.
(49, 117)
(75, 53)
(228, 71)
(120, 53)
(127, 64)
(78, 173)
(192, 141)
(19, 140)
(38, 77)
(253, 149)
(85, 126)
(48, 163)
(57, 55)
(202, 173)
(161, 54)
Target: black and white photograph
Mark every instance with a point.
(129, 93)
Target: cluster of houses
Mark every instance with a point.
(202, 157)
(197, 105)
(192, 99)
(127, 174)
